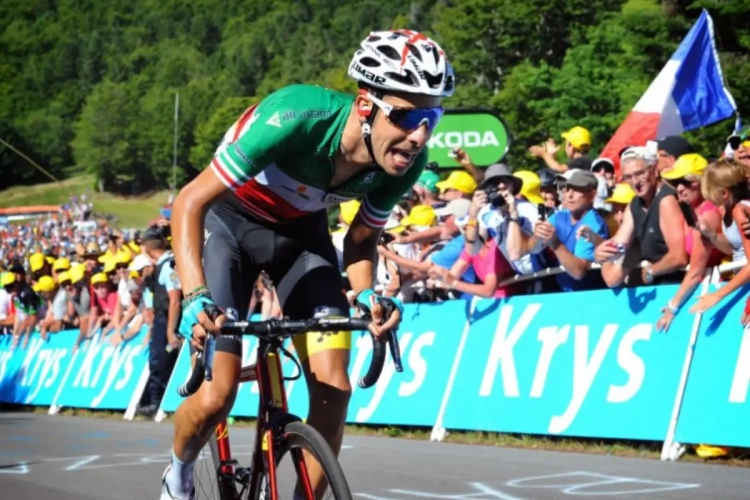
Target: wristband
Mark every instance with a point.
(196, 291)
(671, 308)
(472, 223)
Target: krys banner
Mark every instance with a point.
(482, 134)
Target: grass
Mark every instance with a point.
(633, 449)
(130, 211)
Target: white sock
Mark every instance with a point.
(180, 478)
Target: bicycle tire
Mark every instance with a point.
(298, 435)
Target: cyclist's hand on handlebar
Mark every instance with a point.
(386, 312)
(199, 318)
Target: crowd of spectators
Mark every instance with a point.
(573, 225)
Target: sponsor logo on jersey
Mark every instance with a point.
(299, 191)
(315, 113)
(274, 120)
(369, 75)
(289, 115)
(334, 198)
(240, 153)
(369, 177)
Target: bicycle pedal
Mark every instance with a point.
(242, 474)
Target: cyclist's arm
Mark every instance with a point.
(361, 241)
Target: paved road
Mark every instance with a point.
(69, 458)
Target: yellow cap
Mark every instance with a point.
(622, 193)
(61, 264)
(110, 264)
(77, 273)
(420, 215)
(36, 262)
(687, 164)
(123, 257)
(45, 284)
(99, 278)
(579, 137)
(135, 247)
(134, 274)
(531, 187)
(63, 276)
(460, 181)
(348, 210)
(7, 279)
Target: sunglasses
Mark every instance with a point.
(409, 119)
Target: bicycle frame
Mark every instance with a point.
(273, 414)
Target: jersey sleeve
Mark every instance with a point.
(379, 203)
(168, 278)
(261, 136)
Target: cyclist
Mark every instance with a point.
(261, 206)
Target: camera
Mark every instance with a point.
(493, 197)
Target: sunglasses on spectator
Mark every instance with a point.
(735, 140)
(409, 119)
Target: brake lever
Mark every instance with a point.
(395, 350)
(208, 351)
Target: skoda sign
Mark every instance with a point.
(482, 134)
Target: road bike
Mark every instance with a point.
(278, 432)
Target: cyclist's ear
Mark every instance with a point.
(364, 107)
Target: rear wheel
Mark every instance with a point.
(299, 437)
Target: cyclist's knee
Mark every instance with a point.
(328, 383)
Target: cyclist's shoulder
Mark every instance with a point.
(300, 103)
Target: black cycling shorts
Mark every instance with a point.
(299, 257)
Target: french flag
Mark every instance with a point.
(689, 93)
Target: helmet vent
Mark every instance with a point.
(389, 52)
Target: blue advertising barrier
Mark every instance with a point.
(34, 375)
(592, 367)
(49, 373)
(714, 407)
(102, 376)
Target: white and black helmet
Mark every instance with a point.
(403, 61)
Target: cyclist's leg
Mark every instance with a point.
(313, 285)
(229, 276)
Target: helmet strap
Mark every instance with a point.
(367, 124)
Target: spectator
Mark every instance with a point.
(531, 186)
(443, 254)
(560, 232)
(489, 266)
(548, 188)
(604, 170)
(40, 265)
(426, 189)
(497, 205)
(7, 314)
(653, 226)
(81, 300)
(685, 177)
(725, 183)
(463, 159)
(459, 184)
(577, 146)
(621, 197)
(56, 298)
(60, 265)
(164, 342)
(26, 304)
(103, 303)
(669, 149)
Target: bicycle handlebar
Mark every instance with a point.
(276, 328)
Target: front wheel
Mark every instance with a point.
(298, 437)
